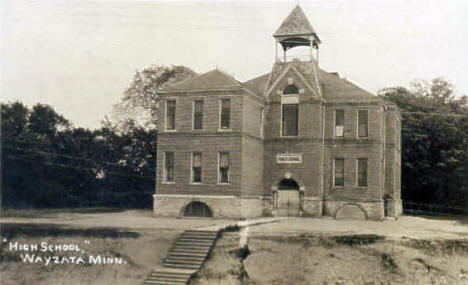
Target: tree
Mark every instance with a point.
(14, 119)
(434, 142)
(139, 105)
(45, 121)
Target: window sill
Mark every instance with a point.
(170, 131)
(224, 130)
(168, 182)
(289, 137)
(225, 184)
(196, 183)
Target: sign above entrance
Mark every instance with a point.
(289, 158)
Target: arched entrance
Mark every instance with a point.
(197, 209)
(288, 198)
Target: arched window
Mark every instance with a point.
(197, 209)
(291, 89)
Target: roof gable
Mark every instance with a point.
(211, 80)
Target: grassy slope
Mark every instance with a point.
(142, 249)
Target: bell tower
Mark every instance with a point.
(296, 31)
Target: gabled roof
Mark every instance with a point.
(258, 84)
(211, 80)
(332, 86)
(295, 24)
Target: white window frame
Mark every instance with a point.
(357, 123)
(334, 172)
(334, 123)
(220, 103)
(164, 178)
(191, 168)
(287, 98)
(175, 115)
(357, 172)
(219, 166)
(193, 113)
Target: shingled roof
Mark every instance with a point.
(211, 80)
(258, 84)
(295, 24)
(333, 87)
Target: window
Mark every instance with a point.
(223, 175)
(168, 167)
(291, 89)
(339, 123)
(198, 115)
(290, 120)
(196, 167)
(338, 173)
(170, 114)
(225, 121)
(362, 123)
(362, 172)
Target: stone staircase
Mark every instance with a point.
(185, 258)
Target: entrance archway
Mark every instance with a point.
(197, 209)
(288, 198)
(288, 184)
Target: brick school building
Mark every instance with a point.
(296, 141)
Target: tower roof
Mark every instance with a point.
(296, 24)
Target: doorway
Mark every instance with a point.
(288, 198)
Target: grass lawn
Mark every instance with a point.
(136, 237)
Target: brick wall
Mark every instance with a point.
(211, 112)
(209, 146)
(252, 167)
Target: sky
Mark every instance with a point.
(79, 56)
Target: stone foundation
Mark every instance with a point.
(393, 208)
(311, 207)
(231, 207)
(371, 210)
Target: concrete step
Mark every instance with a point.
(193, 246)
(162, 282)
(187, 254)
(194, 242)
(170, 275)
(197, 239)
(196, 249)
(183, 261)
(183, 256)
(182, 266)
(167, 278)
